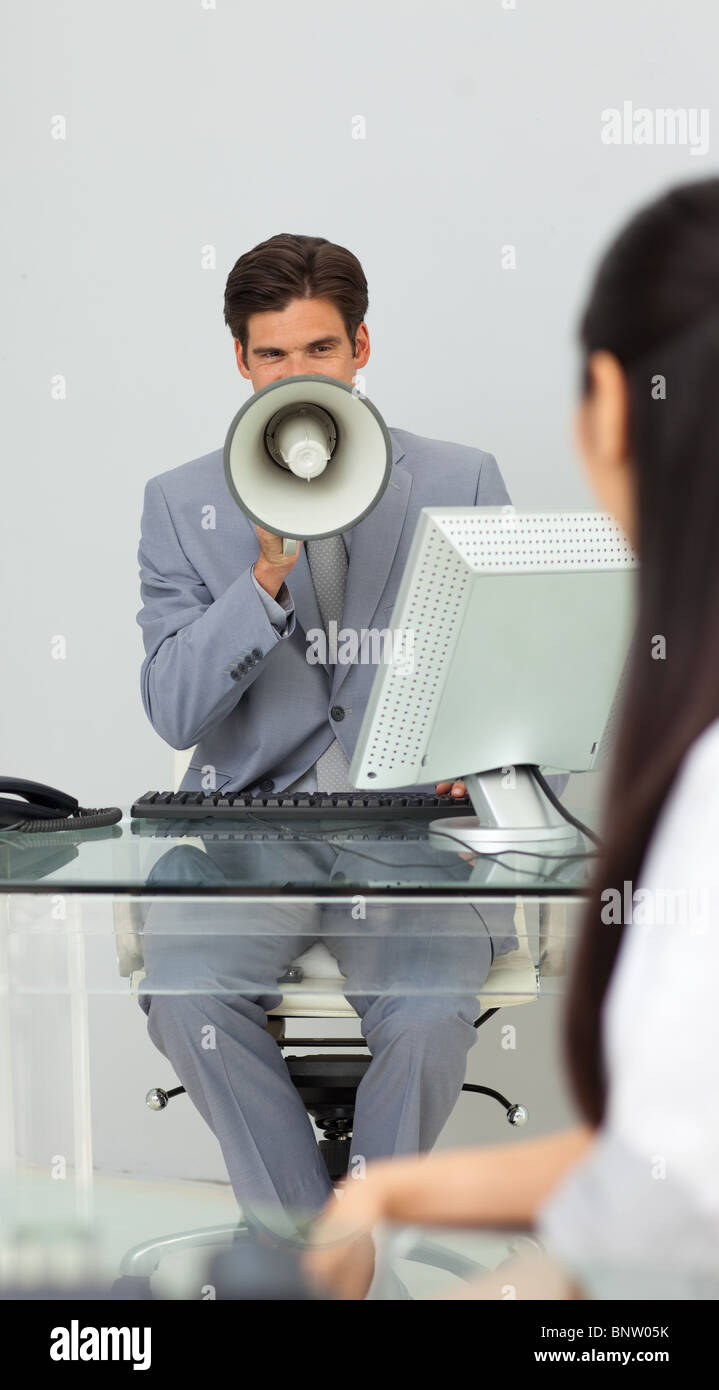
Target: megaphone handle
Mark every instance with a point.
(289, 547)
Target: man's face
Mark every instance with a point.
(308, 336)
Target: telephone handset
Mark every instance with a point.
(31, 806)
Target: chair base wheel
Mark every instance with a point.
(131, 1286)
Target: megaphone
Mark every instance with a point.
(306, 457)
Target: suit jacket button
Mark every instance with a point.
(337, 713)
(257, 653)
(268, 785)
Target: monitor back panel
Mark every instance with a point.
(516, 628)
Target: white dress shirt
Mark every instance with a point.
(641, 1211)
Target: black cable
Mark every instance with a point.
(481, 854)
(542, 782)
(83, 819)
(528, 853)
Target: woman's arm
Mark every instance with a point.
(475, 1187)
(501, 1186)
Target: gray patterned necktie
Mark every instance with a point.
(327, 559)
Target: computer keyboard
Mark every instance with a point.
(318, 806)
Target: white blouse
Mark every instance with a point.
(641, 1212)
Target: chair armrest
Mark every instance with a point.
(127, 923)
(553, 935)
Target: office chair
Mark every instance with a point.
(326, 1082)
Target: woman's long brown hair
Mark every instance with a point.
(655, 306)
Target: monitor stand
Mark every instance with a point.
(565, 866)
(511, 813)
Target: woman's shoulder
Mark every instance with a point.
(703, 753)
(686, 836)
(659, 1015)
(671, 912)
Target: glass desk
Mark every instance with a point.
(295, 914)
(53, 1252)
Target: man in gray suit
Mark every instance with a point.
(225, 621)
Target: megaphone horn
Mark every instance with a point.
(307, 457)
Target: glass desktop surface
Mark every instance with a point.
(185, 907)
(313, 857)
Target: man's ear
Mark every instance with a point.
(244, 370)
(361, 352)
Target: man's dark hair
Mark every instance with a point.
(294, 267)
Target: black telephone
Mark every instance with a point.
(46, 808)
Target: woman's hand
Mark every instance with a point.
(341, 1256)
(499, 1186)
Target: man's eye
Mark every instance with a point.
(323, 347)
(272, 352)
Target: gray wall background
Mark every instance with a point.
(192, 126)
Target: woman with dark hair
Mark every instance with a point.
(636, 1187)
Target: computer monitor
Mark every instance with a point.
(510, 634)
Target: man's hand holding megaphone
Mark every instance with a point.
(272, 566)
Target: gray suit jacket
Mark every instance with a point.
(218, 672)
